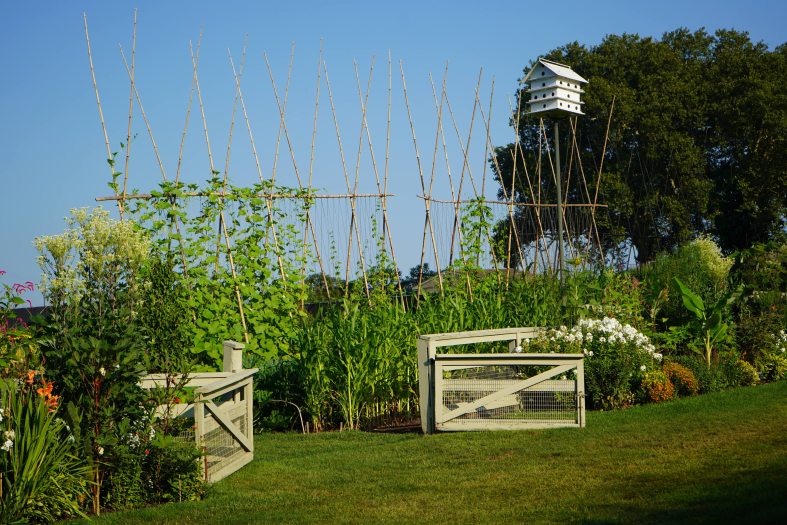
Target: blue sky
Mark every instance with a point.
(52, 147)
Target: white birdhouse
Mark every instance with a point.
(554, 89)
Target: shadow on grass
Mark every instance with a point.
(756, 496)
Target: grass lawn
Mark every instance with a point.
(720, 458)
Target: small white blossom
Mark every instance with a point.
(643, 368)
(102, 371)
(2, 413)
(7, 445)
(657, 356)
(10, 434)
(518, 349)
(100, 451)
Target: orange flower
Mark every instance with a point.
(30, 376)
(46, 390)
(52, 403)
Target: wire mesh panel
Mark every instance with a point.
(471, 394)
(219, 444)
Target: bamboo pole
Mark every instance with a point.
(515, 204)
(174, 222)
(145, 118)
(600, 171)
(222, 223)
(432, 179)
(270, 230)
(195, 61)
(98, 103)
(347, 182)
(309, 223)
(511, 194)
(423, 184)
(272, 226)
(365, 126)
(593, 226)
(438, 108)
(487, 142)
(283, 122)
(384, 189)
(130, 111)
(465, 168)
(353, 217)
(295, 196)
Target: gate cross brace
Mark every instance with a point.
(543, 376)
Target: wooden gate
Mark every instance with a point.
(222, 412)
(498, 391)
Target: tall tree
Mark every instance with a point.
(696, 143)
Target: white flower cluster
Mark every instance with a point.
(9, 436)
(605, 331)
(781, 342)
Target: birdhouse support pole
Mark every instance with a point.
(559, 184)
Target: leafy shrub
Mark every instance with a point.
(762, 271)
(682, 377)
(773, 367)
(699, 264)
(744, 374)
(43, 479)
(617, 356)
(171, 470)
(657, 387)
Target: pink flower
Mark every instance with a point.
(20, 288)
(2, 272)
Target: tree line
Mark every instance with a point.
(696, 143)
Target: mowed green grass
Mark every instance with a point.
(720, 458)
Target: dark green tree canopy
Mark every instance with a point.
(696, 142)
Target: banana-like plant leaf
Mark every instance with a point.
(691, 301)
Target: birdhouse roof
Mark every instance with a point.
(560, 70)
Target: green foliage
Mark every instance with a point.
(762, 314)
(698, 264)
(710, 325)
(94, 345)
(240, 250)
(42, 476)
(773, 367)
(746, 374)
(171, 470)
(696, 145)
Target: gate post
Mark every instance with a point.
(233, 356)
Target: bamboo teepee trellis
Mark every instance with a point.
(445, 234)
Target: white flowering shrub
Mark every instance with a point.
(616, 357)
